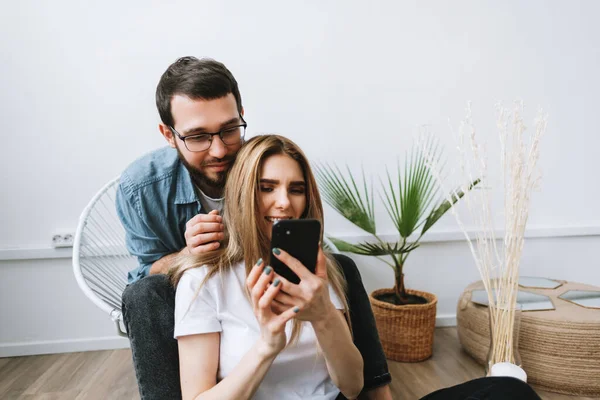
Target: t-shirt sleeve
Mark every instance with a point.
(335, 298)
(195, 306)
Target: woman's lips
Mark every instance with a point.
(273, 219)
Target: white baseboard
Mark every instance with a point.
(445, 320)
(62, 346)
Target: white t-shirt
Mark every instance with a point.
(298, 372)
(208, 203)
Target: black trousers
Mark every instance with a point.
(492, 388)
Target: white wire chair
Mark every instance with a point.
(101, 259)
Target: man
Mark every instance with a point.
(169, 203)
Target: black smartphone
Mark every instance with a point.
(300, 238)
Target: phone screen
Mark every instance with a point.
(300, 238)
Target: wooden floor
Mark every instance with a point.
(109, 374)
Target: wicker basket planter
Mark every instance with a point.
(406, 331)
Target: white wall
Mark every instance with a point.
(347, 81)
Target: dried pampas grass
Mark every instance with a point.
(498, 265)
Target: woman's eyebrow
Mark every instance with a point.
(276, 181)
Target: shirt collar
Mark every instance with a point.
(185, 188)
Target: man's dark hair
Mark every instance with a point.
(205, 79)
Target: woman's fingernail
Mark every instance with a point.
(296, 309)
(268, 270)
(259, 261)
(276, 251)
(276, 282)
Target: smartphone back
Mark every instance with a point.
(300, 238)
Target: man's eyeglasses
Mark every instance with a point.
(229, 136)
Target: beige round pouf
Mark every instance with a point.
(560, 348)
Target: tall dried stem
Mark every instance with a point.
(499, 268)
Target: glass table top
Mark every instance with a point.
(584, 298)
(528, 301)
(538, 282)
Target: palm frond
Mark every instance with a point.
(408, 203)
(391, 200)
(438, 212)
(372, 249)
(343, 195)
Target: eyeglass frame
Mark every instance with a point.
(220, 133)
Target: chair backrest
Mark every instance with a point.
(100, 258)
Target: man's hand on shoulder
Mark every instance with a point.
(203, 233)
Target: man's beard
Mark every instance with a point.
(200, 178)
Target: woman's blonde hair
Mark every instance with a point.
(244, 238)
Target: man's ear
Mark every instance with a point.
(167, 134)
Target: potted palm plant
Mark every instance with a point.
(405, 318)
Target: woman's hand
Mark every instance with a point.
(311, 295)
(262, 293)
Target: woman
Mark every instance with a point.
(244, 331)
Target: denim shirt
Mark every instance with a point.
(155, 199)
